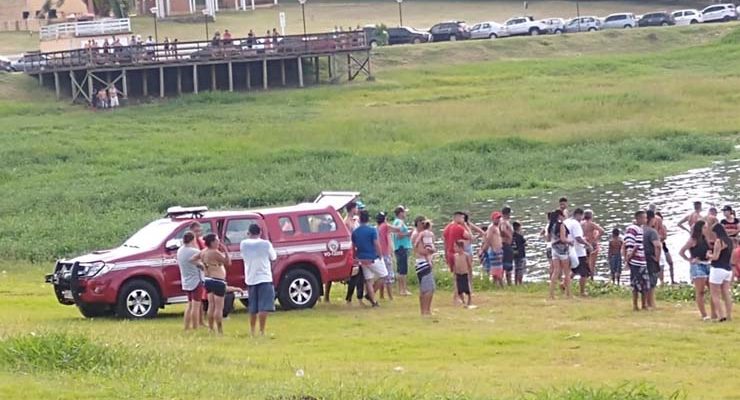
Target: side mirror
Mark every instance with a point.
(173, 244)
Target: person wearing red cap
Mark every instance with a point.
(454, 231)
(492, 250)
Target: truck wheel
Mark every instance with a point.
(138, 299)
(558, 31)
(453, 38)
(628, 27)
(493, 36)
(693, 21)
(725, 19)
(94, 310)
(299, 289)
(534, 32)
(416, 41)
(373, 44)
(664, 23)
(592, 29)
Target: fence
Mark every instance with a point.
(196, 52)
(87, 28)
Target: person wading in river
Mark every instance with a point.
(492, 250)
(454, 231)
(691, 218)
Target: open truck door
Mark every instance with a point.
(336, 200)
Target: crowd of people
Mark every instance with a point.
(383, 250)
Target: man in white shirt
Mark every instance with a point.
(579, 250)
(258, 256)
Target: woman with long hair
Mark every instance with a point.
(720, 276)
(697, 246)
(558, 237)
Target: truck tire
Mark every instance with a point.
(664, 23)
(373, 44)
(628, 26)
(137, 299)
(453, 38)
(558, 31)
(94, 310)
(299, 289)
(493, 36)
(416, 41)
(693, 21)
(592, 29)
(534, 32)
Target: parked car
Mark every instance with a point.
(141, 276)
(620, 21)
(452, 30)
(687, 17)
(660, 18)
(30, 62)
(517, 26)
(555, 26)
(406, 35)
(374, 36)
(488, 30)
(5, 64)
(719, 13)
(583, 24)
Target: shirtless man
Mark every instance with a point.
(422, 241)
(507, 239)
(215, 258)
(351, 222)
(691, 218)
(492, 249)
(592, 232)
(658, 225)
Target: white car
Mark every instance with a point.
(688, 17)
(488, 30)
(719, 12)
(525, 26)
(583, 24)
(620, 21)
(555, 26)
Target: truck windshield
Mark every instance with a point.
(151, 235)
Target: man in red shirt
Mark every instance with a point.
(453, 232)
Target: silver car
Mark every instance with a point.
(488, 30)
(620, 21)
(555, 26)
(583, 24)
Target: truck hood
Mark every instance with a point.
(117, 254)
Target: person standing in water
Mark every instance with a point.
(492, 250)
(507, 239)
(615, 257)
(691, 218)
(592, 232)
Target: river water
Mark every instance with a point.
(614, 205)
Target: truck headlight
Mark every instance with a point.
(90, 270)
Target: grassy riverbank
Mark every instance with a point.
(423, 136)
(515, 345)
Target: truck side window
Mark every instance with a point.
(317, 223)
(236, 230)
(205, 225)
(286, 226)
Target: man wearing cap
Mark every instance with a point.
(386, 249)
(492, 251)
(453, 232)
(401, 245)
(730, 222)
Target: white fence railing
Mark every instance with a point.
(87, 28)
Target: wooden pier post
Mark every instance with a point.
(125, 84)
(161, 82)
(349, 67)
(231, 77)
(282, 71)
(89, 76)
(73, 84)
(264, 74)
(249, 76)
(329, 60)
(41, 79)
(144, 83)
(195, 78)
(300, 72)
(316, 67)
(213, 77)
(56, 85)
(179, 81)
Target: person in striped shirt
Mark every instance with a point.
(634, 255)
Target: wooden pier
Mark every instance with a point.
(191, 67)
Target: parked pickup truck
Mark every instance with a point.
(141, 276)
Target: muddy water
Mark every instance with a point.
(613, 206)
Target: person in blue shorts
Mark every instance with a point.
(258, 256)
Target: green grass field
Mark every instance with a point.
(443, 125)
(515, 345)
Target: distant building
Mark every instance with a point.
(184, 7)
(26, 14)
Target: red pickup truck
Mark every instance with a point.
(141, 276)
